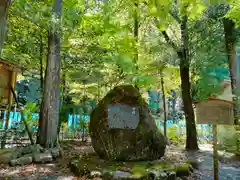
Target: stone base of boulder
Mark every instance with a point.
(33, 154)
(94, 167)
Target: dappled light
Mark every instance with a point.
(120, 89)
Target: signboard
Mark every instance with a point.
(7, 77)
(215, 112)
(122, 117)
(4, 85)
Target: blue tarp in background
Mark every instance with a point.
(16, 118)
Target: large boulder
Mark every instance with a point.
(122, 128)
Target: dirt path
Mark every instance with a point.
(229, 164)
(58, 170)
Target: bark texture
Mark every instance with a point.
(230, 43)
(185, 60)
(4, 5)
(50, 105)
(164, 104)
(191, 141)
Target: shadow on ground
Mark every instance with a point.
(229, 164)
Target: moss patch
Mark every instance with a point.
(140, 169)
(183, 170)
(6, 155)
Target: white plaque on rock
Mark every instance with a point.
(122, 117)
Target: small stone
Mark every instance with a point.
(107, 175)
(79, 169)
(37, 148)
(121, 174)
(27, 159)
(95, 174)
(26, 150)
(162, 176)
(42, 157)
(155, 173)
(178, 178)
(172, 176)
(55, 152)
(17, 153)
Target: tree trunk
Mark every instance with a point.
(183, 54)
(41, 64)
(98, 91)
(230, 43)
(4, 4)
(164, 104)
(63, 86)
(191, 141)
(135, 34)
(50, 104)
(63, 98)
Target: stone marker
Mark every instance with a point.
(122, 128)
(122, 117)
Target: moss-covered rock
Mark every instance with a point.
(183, 170)
(27, 155)
(143, 170)
(6, 155)
(26, 159)
(144, 142)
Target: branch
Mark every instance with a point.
(174, 12)
(167, 38)
(169, 41)
(175, 16)
(27, 19)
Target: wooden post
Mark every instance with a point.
(215, 153)
(238, 147)
(209, 132)
(10, 100)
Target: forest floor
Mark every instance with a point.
(59, 170)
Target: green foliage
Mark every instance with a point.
(64, 126)
(98, 45)
(233, 13)
(227, 138)
(67, 108)
(83, 125)
(28, 110)
(175, 135)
